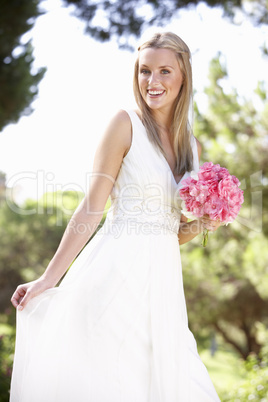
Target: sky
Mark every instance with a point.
(87, 82)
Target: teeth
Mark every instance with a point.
(155, 92)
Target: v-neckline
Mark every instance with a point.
(160, 153)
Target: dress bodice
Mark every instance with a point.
(145, 190)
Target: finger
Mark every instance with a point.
(17, 296)
(14, 301)
(213, 227)
(210, 224)
(22, 303)
(28, 296)
(206, 223)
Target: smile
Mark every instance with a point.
(155, 93)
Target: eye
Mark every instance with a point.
(144, 71)
(165, 71)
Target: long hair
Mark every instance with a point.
(180, 129)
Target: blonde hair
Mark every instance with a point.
(181, 128)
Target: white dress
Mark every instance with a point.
(116, 328)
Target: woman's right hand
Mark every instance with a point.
(25, 292)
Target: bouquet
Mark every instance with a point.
(211, 192)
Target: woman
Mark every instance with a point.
(116, 329)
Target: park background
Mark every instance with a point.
(61, 80)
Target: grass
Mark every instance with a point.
(224, 369)
(6, 329)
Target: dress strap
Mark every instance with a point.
(133, 117)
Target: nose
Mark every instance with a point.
(153, 79)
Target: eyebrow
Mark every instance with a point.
(144, 65)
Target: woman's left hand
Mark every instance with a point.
(209, 224)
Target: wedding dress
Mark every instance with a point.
(116, 328)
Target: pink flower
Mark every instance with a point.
(235, 180)
(216, 193)
(225, 187)
(213, 187)
(213, 207)
(195, 207)
(199, 191)
(223, 172)
(189, 183)
(208, 172)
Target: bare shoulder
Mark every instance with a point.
(121, 121)
(199, 147)
(121, 117)
(118, 132)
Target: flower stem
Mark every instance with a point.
(205, 237)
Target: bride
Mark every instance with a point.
(116, 329)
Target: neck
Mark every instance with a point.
(163, 119)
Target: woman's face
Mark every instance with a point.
(160, 78)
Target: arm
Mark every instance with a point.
(189, 230)
(109, 155)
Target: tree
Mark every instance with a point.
(104, 19)
(227, 282)
(18, 83)
(122, 19)
(30, 235)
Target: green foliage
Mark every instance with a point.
(30, 235)
(224, 368)
(225, 283)
(104, 20)
(122, 19)
(18, 83)
(237, 380)
(7, 344)
(254, 385)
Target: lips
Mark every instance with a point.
(155, 93)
